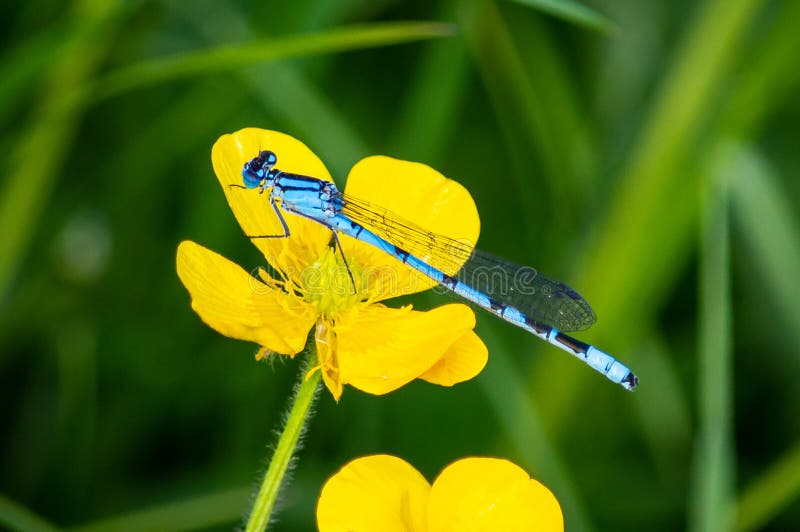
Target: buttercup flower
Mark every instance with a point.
(359, 340)
(385, 493)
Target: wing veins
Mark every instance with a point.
(536, 295)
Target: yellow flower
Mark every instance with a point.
(385, 493)
(359, 341)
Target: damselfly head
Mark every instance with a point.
(257, 169)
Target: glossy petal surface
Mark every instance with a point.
(374, 493)
(419, 194)
(462, 361)
(490, 494)
(253, 211)
(235, 304)
(381, 349)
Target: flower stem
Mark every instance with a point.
(305, 391)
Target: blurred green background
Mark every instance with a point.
(644, 152)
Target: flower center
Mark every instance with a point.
(328, 285)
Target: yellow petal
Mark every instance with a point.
(237, 305)
(253, 211)
(379, 492)
(381, 349)
(461, 362)
(487, 494)
(419, 194)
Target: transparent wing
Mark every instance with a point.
(543, 299)
(443, 253)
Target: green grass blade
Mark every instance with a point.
(666, 424)
(21, 67)
(503, 74)
(287, 94)
(769, 78)
(42, 145)
(714, 464)
(769, 224)
(553, 79)
(522, 109)
(14, 516)
(772, 492)
(519, 416)
(436, 93)
(218, 509)
(171, 124)
(231, 57)
(573, 12)
(652, 205)
(650, 216)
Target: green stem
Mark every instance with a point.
(303, 398)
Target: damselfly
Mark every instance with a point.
(539, 305)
